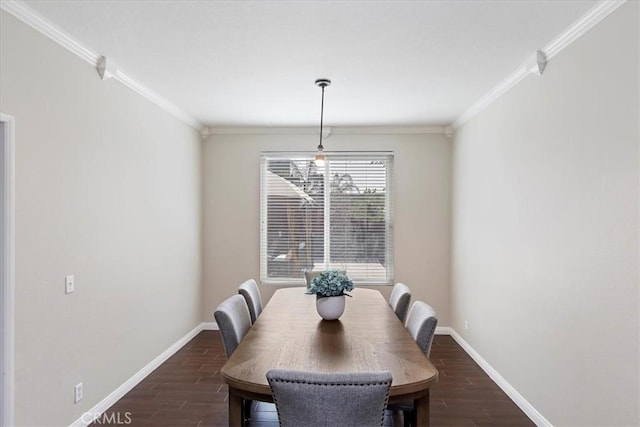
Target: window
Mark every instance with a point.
(337, 216)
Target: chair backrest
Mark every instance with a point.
(399, 300)
(233, 319)
(329, 399)
(251, 293)
(309, 275)
(421, 324)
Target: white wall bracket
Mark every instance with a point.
(537, 63)
(326, 131)
(448, 132)
(205, 131)
(106, 68)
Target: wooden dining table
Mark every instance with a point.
(289, 334)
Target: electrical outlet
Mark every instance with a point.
(77, 393)
(466, 325)
(69, 284)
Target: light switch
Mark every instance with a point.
(69, 285)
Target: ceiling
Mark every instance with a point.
(254, 63)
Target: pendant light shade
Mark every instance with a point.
(320, 156)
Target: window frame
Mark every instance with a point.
(387, 156)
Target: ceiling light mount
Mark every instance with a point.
(323, 82)
(320, 156)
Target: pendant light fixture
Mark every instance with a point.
(320, 156)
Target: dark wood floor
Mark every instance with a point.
(187, 390)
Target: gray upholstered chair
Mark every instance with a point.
(251, 293)
(399, 300)
(234, 320)
(421, 324)
(329, 399)
(309, 275)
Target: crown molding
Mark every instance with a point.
(590, 19)
(314, 130)
(161, 102)
(493, 94)
(39, 23)
(581, 26)
(44, 26)
(390, 129)
(263, 130)
(585, 23)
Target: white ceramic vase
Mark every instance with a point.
(330, 308)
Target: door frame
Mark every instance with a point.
(7, 284)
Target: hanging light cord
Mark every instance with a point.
(320, 147)
(322, 83)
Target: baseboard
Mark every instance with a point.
(443, 330)
(513, 394)
(95, 412)
(210, 326)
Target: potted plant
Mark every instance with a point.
(330, 288)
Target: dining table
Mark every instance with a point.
(289, 334)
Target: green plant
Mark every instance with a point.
(331, 283)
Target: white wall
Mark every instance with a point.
(108, 188)
(546, 231)
(422, 172)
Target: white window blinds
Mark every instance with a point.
(338, 216)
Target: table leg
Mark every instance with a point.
(235, 410)
(422, 411)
